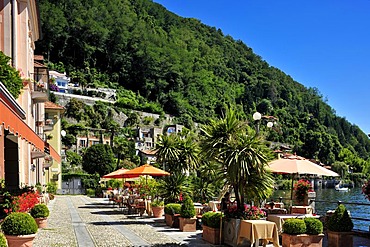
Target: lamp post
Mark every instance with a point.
(257, 117)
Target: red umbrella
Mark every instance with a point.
(145, 170)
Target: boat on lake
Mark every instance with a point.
(339, 187)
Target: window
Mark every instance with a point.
(83, 143)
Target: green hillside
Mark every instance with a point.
(162, 62)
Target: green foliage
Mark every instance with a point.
(90, 192)
(51, 187)
(313, 226)
(40, 211)
(171, 187)
(340, 221)
(212, 219)
(187, 208)
(9, 76)
(99, 159)
(157, 203)
(294, 226)
(3, 242)
(19, 224)
(172, 208)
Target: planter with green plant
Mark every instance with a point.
(172, 214)
(211, 227)
(40, 212)
(19, 229)
(302, 232)
(340, 227)
(157, 208)
(188, 222)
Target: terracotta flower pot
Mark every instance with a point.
(42, 222)
(20, 240)
(157, 212)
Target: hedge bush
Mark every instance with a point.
(294, 226)
(19, 224)
(212, 219)
(313, 226)
(172, 208)
(187, 208)
(40, 211)
(340, 221)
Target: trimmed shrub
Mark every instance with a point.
(313, 226)
(340, 221)
(90, 192)
(172, 208)
(212, 219)
(19, 224)
(294, 226)
(40, 211)
(187, 208)
(3, 242)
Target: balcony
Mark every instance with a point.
(49, 125)
(40, 93)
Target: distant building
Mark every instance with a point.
(148, 155)
(61, 80)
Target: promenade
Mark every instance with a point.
(86, 222)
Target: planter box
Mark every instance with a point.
(188, 224)
(172, 220)
(230, 231)
(211, 235)
(340, 239)
(302, 240)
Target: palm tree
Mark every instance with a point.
(168, 151)
(235, 146)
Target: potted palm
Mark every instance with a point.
(187, 219)
(302, 232)
(40, 213)
(157, 208)
(211, 227)
(172, 214)
(19, 229)
(340, 227)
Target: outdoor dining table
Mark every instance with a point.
(279, 219)
(253, 230)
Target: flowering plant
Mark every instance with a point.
(366, 189)
(249, 213)
(301, 188)
(254, 213)
(23, 202)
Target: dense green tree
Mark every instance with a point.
(99, 159)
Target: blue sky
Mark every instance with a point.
(322, 44)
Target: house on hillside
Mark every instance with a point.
(61, 80)
(23, 146)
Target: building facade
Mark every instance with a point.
(23, 146)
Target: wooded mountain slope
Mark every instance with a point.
(190, 70)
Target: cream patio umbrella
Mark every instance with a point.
(296, 165)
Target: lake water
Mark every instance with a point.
(353, 195)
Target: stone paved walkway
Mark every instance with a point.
(87, 222)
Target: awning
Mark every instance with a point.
(12, 122)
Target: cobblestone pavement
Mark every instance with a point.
(87, 222)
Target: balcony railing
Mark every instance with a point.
(49, 124)
(40, 92)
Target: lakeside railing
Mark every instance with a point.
(313, 202)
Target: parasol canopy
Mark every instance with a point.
(299, 165)
(116, 174)
(145, 170)
(295, 165)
